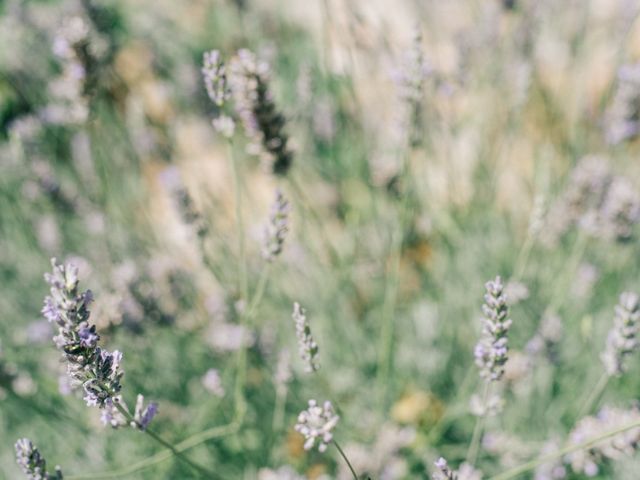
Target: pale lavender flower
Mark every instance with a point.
(622, 339)
(283, 473)
(307, 346)
(620, 209)
(622, 115)
(585, 279)
(33, 463)
(554, 470)
(70, 104)
(277, 228)
(444, 472)
(612, 448)
(111, 416)
(465, 472)
(282, 374)
(143, 415)
(491, 351)
(224, 125)
(490, 407)
(515, 292)
(170, 178)
(212, 382)
(248, 79)
(316, 424)
(214, 74)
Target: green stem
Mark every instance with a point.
(163, 442)
(594, 395)
(385, 347)
(242, 260)
(474, 446)
(259, 293)
(353, 472)
(525, 467)
(303, 201)
(278, 415)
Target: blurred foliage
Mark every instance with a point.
(390, 243)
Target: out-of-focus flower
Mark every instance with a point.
(283, 473)
(622, 115)
(307, 346)
(612, 448)
(277, 228)
(33, 463)
(213, 383)
(465, 472)
(554, 470)
(214, 74)
(622, 339)
(515, 292)
(244, 81)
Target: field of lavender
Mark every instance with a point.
(330, 239)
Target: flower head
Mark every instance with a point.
(317, 423)
(32, 463)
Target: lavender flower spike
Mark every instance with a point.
(491, 351)
(96, 370)
(622, 339)
(277, 228)
(214, 74)
(317, 423)
(306, 344)
(32, 463)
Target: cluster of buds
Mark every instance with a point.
(244, 82)
(622, 339)
(96, 370)
(492, 349)
(317, 423)
(277, 228)
(33, 463)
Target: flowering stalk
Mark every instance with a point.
(490, 352)
(245, 82)
(94, 369)
(33, 464)
(621, 342)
